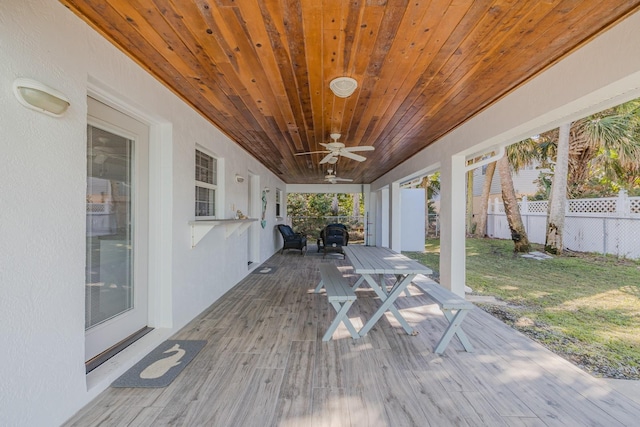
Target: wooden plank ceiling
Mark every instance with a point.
(260, 69)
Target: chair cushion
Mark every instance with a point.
(286, 231)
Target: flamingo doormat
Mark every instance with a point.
(162, 365)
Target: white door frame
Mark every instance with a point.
(254, 211)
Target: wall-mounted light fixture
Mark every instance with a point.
(40, 97)
(239, 178)
(267, 189)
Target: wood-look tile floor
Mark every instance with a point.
(266, 365)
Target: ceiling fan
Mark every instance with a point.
(332, 178)
(334, 149)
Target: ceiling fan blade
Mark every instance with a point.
(352, 156)
(327, 158)
(343, 179)
(360, 148)
(311, 152)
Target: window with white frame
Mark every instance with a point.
(278, 202)
(206, 185)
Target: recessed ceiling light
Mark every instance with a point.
(343, 87)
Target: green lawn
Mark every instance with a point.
(585, 307)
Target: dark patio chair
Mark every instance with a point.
(292, 240)
(333, 237)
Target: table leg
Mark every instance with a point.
(383, 284)
(341, 316)
(373, 284)
(358, 283)
(406, 289)
(387, 304)
(455, 321)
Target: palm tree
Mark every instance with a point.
(481, 225)
(511, 208)
(558, 198)
(469, 203)
(606, 144)
(517, 156)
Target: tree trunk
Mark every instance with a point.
(518, 233)
(558, 198)
(469, 222)
(356, 205)
(481, 227)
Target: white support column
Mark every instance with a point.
(395, 216)
(384, 221)
(161, 222)
(371, 214)
(452, 224)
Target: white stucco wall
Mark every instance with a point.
(42, 212)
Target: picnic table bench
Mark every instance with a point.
(340, 295)
(372, 262)
(454, 307)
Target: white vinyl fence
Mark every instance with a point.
(608, 225)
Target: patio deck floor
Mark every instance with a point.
(266, 365)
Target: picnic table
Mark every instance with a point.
(370, 261)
